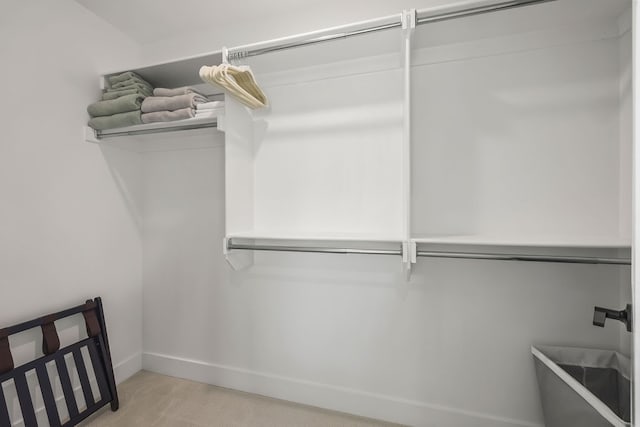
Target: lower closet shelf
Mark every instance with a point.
(317, 236)
(179, 125)
(587, 242)
(334, 243)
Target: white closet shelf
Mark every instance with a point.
(551, 241)
(178, 125)
(177, 73)
(585, 242)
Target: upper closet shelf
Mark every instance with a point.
(177, 73)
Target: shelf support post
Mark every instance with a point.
(409, 19)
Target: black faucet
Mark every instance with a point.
(601, 314)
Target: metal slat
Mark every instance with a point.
(44, 359)
(84, 378)
(67, 389)
(26, 403)
(48, 396)
(98, 369)
(4, 412)
(103, 346)
(85, 414)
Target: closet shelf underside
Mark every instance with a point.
(571, 255)
(179, 125)
(316, 236)
(550, 241)
(567, 242)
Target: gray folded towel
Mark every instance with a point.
(160, 91)
(118, 93)
(167, 116)
(115, 106)
(142, 89)
(124, 76)
(171, 103)
(116, 121)
(132, 81)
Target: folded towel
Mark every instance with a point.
(210, 105)
(205, 116)
(115, 106)
(209, 113)
(124, 76)
(132, 81)
(142, 89)
(167, 116)
(160, 91)
(171, 103)
(116, 121)
(118, 93)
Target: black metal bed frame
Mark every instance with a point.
(97, 345)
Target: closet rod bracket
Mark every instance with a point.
(90, 135)
(409, 19)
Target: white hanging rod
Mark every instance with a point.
(522, 257)
(112, 133)
(364, 27)
(430, 15)
(323, 250)
(313, 37)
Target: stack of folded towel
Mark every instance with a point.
(121, 102)
(167, 105)
(209, 109)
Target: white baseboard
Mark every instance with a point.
(357, 402)
(126, 368)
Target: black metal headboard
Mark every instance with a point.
(97, 347)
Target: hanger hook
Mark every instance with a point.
(225, 55)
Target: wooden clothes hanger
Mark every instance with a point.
(238, 81)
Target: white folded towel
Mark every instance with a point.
(209, 113)
(210, 105)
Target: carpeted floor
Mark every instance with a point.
(149, 399)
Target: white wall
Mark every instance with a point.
(66, 231)
(520, 141)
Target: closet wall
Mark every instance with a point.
(452, 345)
(66, 231)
